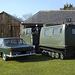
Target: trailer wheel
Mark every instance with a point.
(4, 57)
(57, 55)
(62, 56)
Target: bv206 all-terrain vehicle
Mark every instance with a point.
(58, 40)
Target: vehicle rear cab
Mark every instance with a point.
(53, 36)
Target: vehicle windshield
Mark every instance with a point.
(9, 42)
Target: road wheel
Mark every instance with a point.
(43, 53)
(56, 55)
(49, 53)
(4, 57)
(62, 56)
(53, 54)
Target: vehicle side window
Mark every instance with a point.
(28, 33)
(73, 31)
(46, 32)
(1, 42)
(60, 30)
(55, 31)
(14, 41)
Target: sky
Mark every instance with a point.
(21, 7)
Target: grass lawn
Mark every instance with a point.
(37, 65)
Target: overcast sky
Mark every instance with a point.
(21, 7)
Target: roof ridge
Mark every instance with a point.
(54, 10)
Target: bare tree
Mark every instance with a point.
(19, 18)
(26, 16)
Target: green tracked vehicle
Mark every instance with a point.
(58, 40)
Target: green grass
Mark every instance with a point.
(37, 65)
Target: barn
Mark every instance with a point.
(9, 25)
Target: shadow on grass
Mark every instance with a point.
(71, 58)
(35, 58)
